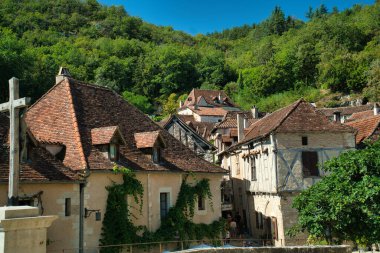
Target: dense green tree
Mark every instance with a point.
(140, 101)
(344, 205)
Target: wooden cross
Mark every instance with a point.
(13, 106)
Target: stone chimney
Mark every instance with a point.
(376, 109)
(240, 126)
(62, 73)
(255, 112)
(220, 98)
(337, 116)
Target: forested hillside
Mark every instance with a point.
(267, 64)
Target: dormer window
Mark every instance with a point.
(156, 156)
(114, 152)
(151, 144)
(108, 140)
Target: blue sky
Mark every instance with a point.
(205, 16)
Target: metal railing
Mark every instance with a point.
(172, 246)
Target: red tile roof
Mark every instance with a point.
(209, 111)
(41, 167)
(300, 116)
(147, 139)
(69, 111)
(366, 127)
(361, 115)
(103, 135)
(230, 120)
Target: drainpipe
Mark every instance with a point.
(274, 149)
(149, 218)
(81, 216)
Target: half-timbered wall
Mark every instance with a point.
(289, 156)
(264, 160)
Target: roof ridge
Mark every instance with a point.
(91, 85)
(75, 124)
(295, 105)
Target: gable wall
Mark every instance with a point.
(64, 232)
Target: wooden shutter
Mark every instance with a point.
(310, 163)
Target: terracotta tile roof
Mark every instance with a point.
(366, 127)
(209, 111)
(297, 117)
(42, 167)
(211, 96)
(345, 111)
(361, 115)
(53, 118)
(202, 128)
(96, 107)
(103, 135)
(147, 139)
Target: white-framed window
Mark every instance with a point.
(164, 204)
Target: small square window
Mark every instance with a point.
(304, 141)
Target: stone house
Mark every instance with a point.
(45, 182)
(281, 155)
(97, 129)
(207, 105)
(187, 132)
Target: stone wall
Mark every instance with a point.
(300, 249)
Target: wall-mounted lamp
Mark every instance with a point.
(88, 212)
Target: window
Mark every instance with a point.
(164, 204)
(304, 141)
(201, 203)
(253, 169)
(114, 152)
(67, 206)
(156, 155)
(310, 164)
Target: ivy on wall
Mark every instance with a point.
(177, 225)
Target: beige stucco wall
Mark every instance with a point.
(95, 197)
(64, 232)
(153, 183)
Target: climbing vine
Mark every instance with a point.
(117, 225)
(177, 225)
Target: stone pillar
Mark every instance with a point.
(23, 230)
